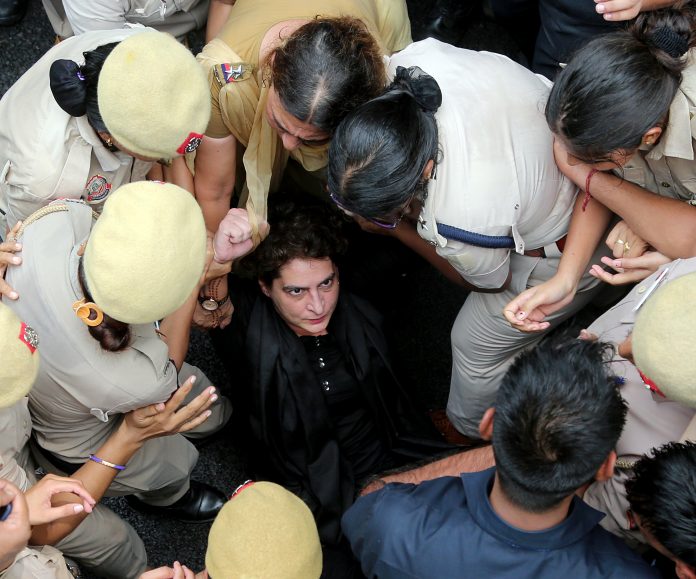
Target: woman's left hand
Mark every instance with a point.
(619, 9)
(220, 318)
(7, 257)
(629, 269)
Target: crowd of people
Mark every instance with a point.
(302, 137)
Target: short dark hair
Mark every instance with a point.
(662, 492)
(325, 69)
(380, 150)
(558, 415)
(299, 229)
(620, 85)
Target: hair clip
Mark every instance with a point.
(83, 309)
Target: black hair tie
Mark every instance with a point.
(669, 40)
(68, 87)
(423, 87)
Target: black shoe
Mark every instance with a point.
(12, 11)
(200, 504)
(448, 19)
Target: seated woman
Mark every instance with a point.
(641, 83)
(95, 292)
(325, 407)
(282, 75)
(467, 151)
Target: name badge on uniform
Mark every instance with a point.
(97, 189)
(227, 72)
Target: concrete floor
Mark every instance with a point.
(419, 307)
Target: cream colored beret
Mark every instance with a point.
(264, 532)
(146, 252)
(20, 360)
(153, 96)
(662, 340)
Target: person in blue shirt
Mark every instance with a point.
(557, 417)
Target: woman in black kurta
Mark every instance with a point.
(325, 408)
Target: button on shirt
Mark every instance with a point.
(446, 528)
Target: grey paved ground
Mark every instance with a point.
(420, 309)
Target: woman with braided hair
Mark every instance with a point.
(622, 114)
(458, 143)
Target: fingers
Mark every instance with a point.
(197, 411)
(620, 278)
(7, 290)
(618, 9)
(12, 235)
(182, 571)
(177, 399)
(159, 573)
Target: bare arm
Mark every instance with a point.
(474, 460)
(136, 427)
(214, 179)
(218, 12)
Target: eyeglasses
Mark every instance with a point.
(418, 194)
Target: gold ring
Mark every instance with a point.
(627, 248)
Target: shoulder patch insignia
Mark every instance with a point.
(29, 337)
(227, 72)
(97, 189)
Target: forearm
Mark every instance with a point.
(96, 479)
(175, 329)
(179, 174)
(474, 460)
(214, 178)
(585, 233)
(668, 225)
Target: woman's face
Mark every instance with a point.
(305, 294)
(292, 131)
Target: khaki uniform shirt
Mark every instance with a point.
(238, 108)
(496, 174)
(651, 421)
(15, 430)
(46, 154)
(669, 168)
(37, 563)
(81, 390)
(88, 15)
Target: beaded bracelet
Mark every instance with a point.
(106, 462)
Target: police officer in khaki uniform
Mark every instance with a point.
(658, 388)
(65, 135)
(103, 349)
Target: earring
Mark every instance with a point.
(83, 310)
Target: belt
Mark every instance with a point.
(59, 463)
(560, 244)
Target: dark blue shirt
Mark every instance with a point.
(447, 528)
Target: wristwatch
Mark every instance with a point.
(210, 304)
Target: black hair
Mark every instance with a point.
(325, 69)
(558, 414)
(299, 229)
(75, 87)
(620, 85)
(379, 151)
(112, 335)
(662, 492)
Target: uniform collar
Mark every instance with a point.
(676, 141)
(581, 519)
(108, 160)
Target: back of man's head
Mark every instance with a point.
(558, 415)
(662, 493)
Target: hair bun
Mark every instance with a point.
(669, 40)
(421, 86)
(68, 87)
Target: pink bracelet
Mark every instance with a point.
(106, 462)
